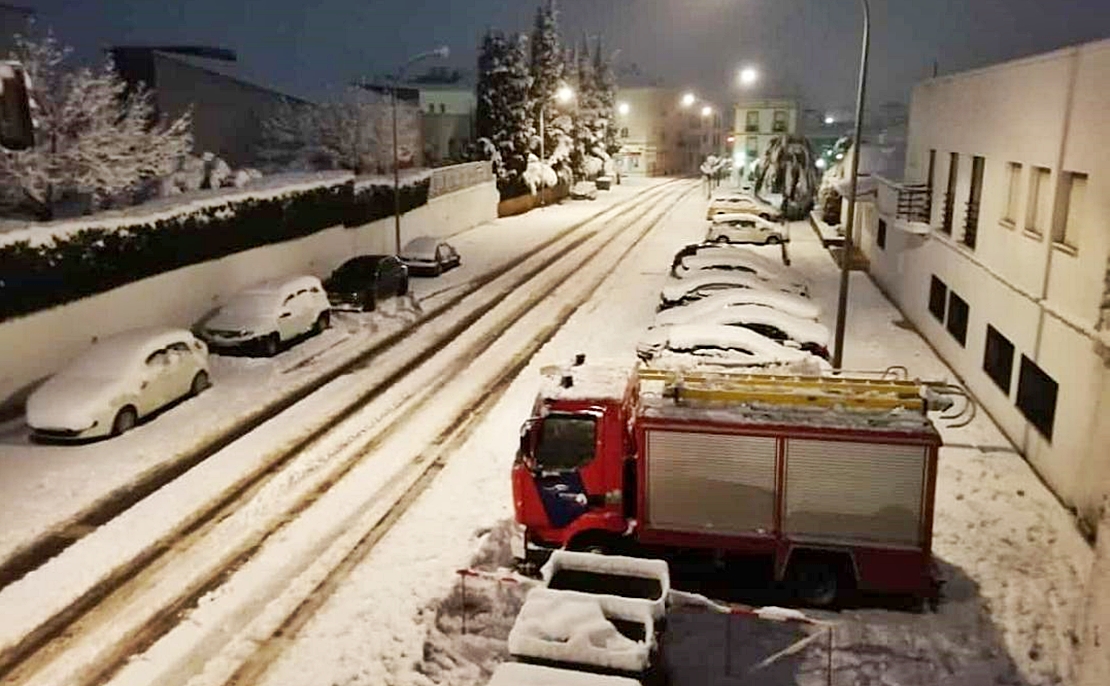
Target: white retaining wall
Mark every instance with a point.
(33, 346)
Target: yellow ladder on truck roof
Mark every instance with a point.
(808, 391)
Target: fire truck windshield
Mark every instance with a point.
(566, 441)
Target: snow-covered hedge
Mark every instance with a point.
(44, 265)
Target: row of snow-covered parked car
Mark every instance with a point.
(127, 376)
(727, 305)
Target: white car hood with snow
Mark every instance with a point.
(73, 402)
(691, 312)
(735, 260)
(676, 289)
(718, 341)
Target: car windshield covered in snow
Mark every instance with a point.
(566, 441)
(251, 304)
(422, 248)
(106, 360)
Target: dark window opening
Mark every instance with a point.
(971, 220)
(1036, 396)
(950, 192)
(566, 442)
(957, 317)
(938, 296)
(881, 237)
(998, 359)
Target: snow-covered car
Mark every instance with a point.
(429, 256)
(584, 190)
(779, 326)
(707, 306)
(742, 203)
(604, 183)
(679, 291)
(744, 227)
(721, 249)
(360, 282)
(268, 314)
(732, 261)
(116, 382)
(720, 345)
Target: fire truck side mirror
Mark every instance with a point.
(17, 131)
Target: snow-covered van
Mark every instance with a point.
(830, 478)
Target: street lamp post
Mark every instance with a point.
(563, 94)
(845, 262)
(441, 52)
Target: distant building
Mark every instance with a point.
(447, 116)
(13, 20)
(996, 246)
(756, 123)
(660, 136)
(226, 110)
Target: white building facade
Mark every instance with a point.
(660, 135)
(756, 123)
(997, 248)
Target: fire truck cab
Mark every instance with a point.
(833, 478)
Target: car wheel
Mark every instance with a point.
(322, 322)
(125, 420)
(439, 268)
(368, 304)
(403, 286)
(200, 382)
(773, 240)
(271, 344)
(721, 239)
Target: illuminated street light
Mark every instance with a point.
(748, 76)
(706, 111)
(688, 99)
(623, 108)
(820, 163)
(829, 119)
(564, 94)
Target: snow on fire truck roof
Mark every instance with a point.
(594, 381)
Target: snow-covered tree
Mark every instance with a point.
(547, 67)
(97, 141)
(352, 131)
(503, 118)
(589, 155)
(787, 167)
(606, 89)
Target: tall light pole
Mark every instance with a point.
(563, 94)
(845, 260)
(440, 52)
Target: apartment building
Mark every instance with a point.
(661, 134)
(996, 245)
(756, 123)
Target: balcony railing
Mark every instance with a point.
(971, 224)
(949, 208)
(914, 203)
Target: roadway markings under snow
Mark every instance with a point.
(126, 583)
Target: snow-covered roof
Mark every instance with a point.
(799, 329)
(120, 351)
(423, 247)
(695, 265)
(588, 381)
(789, 304)
(281, 284)
(728, 217)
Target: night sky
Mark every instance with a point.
(806, 48)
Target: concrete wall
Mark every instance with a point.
(1048, 111)
(35, 345)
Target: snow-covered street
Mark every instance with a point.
(1010, 558)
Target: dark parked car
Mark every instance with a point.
(427, 256)
(362, 281)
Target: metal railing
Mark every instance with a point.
(971, 224)
(914, 203)
(459, 176)
(949, 203)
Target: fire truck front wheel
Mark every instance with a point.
(817, 579)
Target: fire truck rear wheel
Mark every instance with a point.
(816, 580)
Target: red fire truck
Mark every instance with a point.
(832, 478)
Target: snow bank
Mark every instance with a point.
(568, 627)
(615, 565)
(518, 674)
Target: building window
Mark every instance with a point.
(1036, 396)
(624, 132)
(752, 121)
(998, 359)
(880, 238)
(1013, 193)
(957, 317)
(431, 108)
(1036, 212)
(1067, 220)
(779, 124)
(442, 108)
(752, 145)
(938, 296)
(950, 192)
(971, 220)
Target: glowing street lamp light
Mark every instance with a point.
(623, 108)
(706, 111)
(829, 119)
(820, 163)
(564, 94)
(688, 99)
(748, 76)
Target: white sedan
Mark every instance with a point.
(268, 314)
(700, 345)
(742, 203)
(793, 305)
(743, 227)
(786, 329)
(117, 381)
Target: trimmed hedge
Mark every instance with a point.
(94, 260)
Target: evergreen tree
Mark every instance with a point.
(503, 117)
(547, 68)
(588, 159)
(606, 88)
